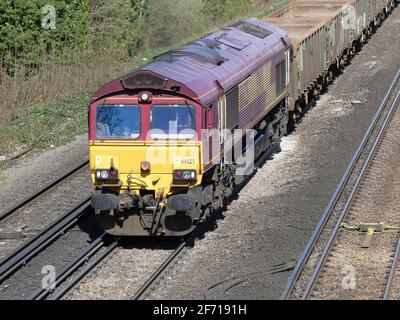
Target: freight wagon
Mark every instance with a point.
(325, 34)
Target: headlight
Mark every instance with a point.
(106, 175)
(185, 175)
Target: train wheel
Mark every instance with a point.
(284, 126)
(298, 109)
(291, 122)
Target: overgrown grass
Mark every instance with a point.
(46, 124)
(275, 5)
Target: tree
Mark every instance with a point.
(221, 10)
(23, 39)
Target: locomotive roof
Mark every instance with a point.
(217, 62)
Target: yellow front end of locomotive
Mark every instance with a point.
(162, 167)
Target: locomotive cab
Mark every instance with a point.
(145, 156)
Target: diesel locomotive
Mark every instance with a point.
(170, 140)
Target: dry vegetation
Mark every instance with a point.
(37, 84)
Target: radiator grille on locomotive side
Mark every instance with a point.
(256, 93)
(232, 102)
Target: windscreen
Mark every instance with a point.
(173, 121)
(117, 121)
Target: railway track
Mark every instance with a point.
(354, 250)
(5, 214)
(27, 218)
(42, 240)
(391, 278)
(23, 252)
(17, 269)
(100, 254)
(77, 269)
(71, 275)
(74, 271)
(159, 273)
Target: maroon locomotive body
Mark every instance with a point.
(194, 105)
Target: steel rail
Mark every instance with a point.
(41, 292)
(84, 256)
(35, 195)
(93, 264)
(157, 274)
(349, 201)
(31, 248)
(393, 268)
(335, 198)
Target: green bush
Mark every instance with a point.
(23, 40)
(171, 21)
(225, 10)
(84, 26)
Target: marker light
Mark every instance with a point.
(113, 174)
(145, 97)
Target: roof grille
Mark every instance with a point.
(202, 50)
(252, 29)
